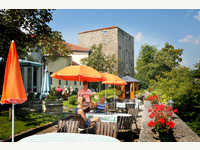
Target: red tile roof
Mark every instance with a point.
(112, 27)
(76, 47)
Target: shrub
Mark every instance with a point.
(73, 100)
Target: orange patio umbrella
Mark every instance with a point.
(13, 86)
(113, 79)
(78, 73)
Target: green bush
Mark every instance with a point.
(73, 100)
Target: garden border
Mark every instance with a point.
(35, 130)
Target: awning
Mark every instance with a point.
(129, 79)
(26, 63)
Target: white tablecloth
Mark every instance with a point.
(106, 117)
(123, 104)
(68, 137)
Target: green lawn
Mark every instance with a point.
(24, 121)
(67, 104)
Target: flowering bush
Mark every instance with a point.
(153, 98)
(161, 116)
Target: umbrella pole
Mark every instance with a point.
(13, 122)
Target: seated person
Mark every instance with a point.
(101, 106)
(80, 110)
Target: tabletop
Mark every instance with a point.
(104, 117)
(123, 104)
(68, 137)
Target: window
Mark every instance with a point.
(59, 82)
(66, 82)
(74, 82)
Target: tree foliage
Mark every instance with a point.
(100, 61)
(152, 63)
(161, 71)
(28, 28)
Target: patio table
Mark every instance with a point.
(104, 117)
(68, 137)
(123, 104)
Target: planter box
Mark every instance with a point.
(54, 106)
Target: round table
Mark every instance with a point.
(106, 117)
(68, 137)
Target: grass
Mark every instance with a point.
(24, 121)
(67, 104)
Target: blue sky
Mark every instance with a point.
(180, 28)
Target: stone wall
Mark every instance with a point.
(182, 132)
(125, 53)
(114, 41)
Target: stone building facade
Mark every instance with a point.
(114, 41)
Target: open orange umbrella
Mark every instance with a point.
(113, 79)
(13, 86)
(78, 73)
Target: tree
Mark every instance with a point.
(100, 61)
(168, 58)
(30, 30)
(145, 65)
(152, 63)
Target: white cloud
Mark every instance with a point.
(197, 17)
(190, 39)
(139, 37)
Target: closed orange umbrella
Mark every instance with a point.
(113, 79)
(13, 86)
(78, 73)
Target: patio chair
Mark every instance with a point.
(124, 123)
(81, 126)
(69, 126)
(107, 129)
(134, 113)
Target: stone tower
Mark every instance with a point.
(114, 41)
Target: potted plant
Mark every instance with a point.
(52, 103)
(161, 121)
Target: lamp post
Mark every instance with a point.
(171, 103)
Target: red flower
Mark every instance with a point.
(151, 123)
(150, 110)
(169, 114)
(171, 124)
(175, 110)
(162, 121)
(152, 115)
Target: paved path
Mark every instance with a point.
(52, 129)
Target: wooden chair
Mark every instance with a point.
(134, 113)
(69, 126)
(107, 129)
(124, 123)
(81, 127)
(111, 107)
